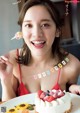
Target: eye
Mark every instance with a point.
(28, 25)
(45, 25)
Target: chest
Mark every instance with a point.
(40, 79)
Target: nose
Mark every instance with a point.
(37, 31)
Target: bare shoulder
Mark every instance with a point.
(74, 62)
(72, 69)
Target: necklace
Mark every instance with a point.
(52, 69)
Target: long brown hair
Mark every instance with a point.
(25, 54)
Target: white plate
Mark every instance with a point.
(30, 99)
(75, 103)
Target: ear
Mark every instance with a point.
(57, 33)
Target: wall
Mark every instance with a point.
(8, 27)
(78, 17)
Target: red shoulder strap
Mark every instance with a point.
(59, 73)
(19, 66)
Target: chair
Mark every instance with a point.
(73, 49)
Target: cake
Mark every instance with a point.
(53, 101)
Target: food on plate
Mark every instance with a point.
(22, 108)
(53, 101)
(12, 110)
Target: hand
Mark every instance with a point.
(75, 89)
(6, 69)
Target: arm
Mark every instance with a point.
(75, 72)
(7, 91)
(6, 76)
(71, 71)
(74, 89)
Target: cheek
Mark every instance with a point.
(25, 32)
(26, 35)
(51, 37)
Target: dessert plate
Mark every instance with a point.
(30, 99)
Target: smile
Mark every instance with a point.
(38, 44)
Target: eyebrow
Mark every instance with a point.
(43, 20)
(48, 20)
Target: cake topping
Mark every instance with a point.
(50, 95)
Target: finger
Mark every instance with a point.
(5, 64)
(4, 58)
(2, 66)
(0, 59)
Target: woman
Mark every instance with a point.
(40, 63)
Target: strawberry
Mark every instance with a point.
(40, 92)
(45, 98)
(49, 98)
(51, 93)
(60, 95)
(42, 95)
(55, 95)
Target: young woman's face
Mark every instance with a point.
(39, 30)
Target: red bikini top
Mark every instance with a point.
(57, 86)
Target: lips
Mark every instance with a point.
(38, 44)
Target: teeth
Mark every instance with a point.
(38, 42)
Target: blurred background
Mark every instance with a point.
(70, 13)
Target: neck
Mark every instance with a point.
(42, 60)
